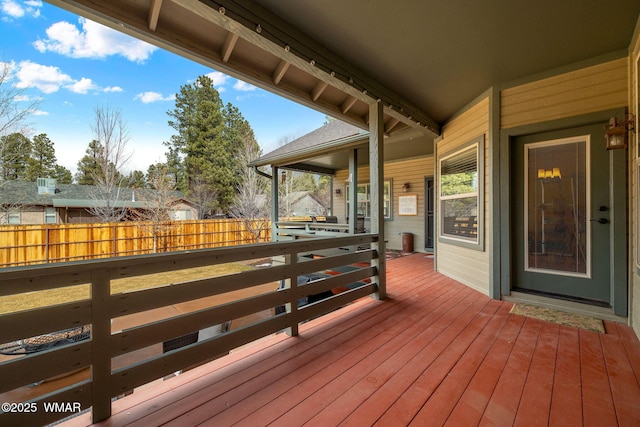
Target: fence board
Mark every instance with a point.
(38, 244)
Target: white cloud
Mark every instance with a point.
(39, 113)
(82, 86)
(48, 79)
(21, 98)
(218, 78)
(14, 9)
(92, 41)
(150, 97)
(243, 86)
(112, 89)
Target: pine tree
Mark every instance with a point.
(15, 149)
(89, 165)
(42, 162)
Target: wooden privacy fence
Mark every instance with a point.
(47, 243)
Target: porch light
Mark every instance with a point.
(617, 131)
(406, 186)
(338, 192)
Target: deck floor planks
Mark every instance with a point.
(469, 409)
(458, 339)
(330, 363)
(503, 404)
(598, 409)
(368, 377)
(283, 403)
(566, 400)
(625, 391)
(440, 404)
(485, 374)
(535, 404)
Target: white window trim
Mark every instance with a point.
(478, 242)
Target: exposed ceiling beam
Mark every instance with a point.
(347, 104)
(227, 47)
(259, 26)
(393, 122)
(318, 89)
(280, 71)
(154, 14)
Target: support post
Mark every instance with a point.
(274, 203)
(376, 183)
(100, 337)
(292, 282)
(353, 190)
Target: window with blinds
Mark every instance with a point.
(460, 174)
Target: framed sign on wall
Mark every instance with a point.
(408, 205)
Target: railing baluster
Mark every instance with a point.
(292, 306)
(100, 335)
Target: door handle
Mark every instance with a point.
(601, 220)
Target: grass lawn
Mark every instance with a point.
(30, 300)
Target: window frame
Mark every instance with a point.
(367, 186)
(476, 243)
(12, 214)
(50, 213)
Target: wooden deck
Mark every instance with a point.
(434, 353)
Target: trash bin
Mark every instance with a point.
(407, 242)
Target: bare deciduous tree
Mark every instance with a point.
(156, 214)
(251, 204)
(15, 108)
(112, 133)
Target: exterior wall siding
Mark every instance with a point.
(412, 171)
(591, 89)
(469, 266)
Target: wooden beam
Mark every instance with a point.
(154, 14)
(376, 186)
(318, 89)
(227, 47)
(280, 71)
(353, 190)
(347, 104)
(391, 123)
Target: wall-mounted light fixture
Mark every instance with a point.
(406, 186)
(338, 192)
(617, 132)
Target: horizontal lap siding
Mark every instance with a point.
(468, 266)
(588, 90)
(413, 171)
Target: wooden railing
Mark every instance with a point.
(103, 306)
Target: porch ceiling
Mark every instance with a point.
(425, 60)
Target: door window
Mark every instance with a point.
(557, 199)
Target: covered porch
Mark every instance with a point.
(435, 352)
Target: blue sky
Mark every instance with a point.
(73, 65)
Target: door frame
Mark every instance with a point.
(618, 258)
(429, 202)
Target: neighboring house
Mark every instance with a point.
(303, 203)
(47, 202)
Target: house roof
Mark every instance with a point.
(326, 149)
(424, 60)
(21, 193)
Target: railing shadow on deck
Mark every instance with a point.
(98, 353)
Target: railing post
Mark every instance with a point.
(100, 335)
(376, 179)
(292, 305)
